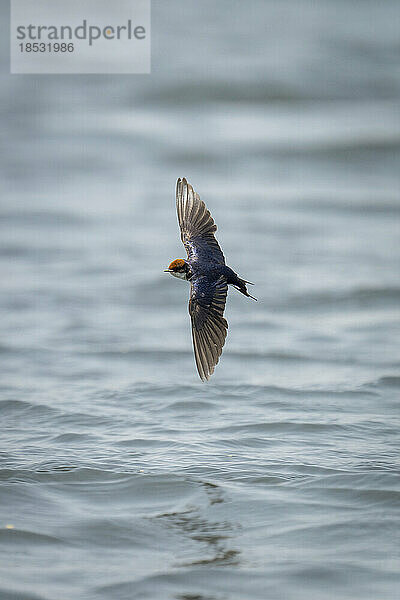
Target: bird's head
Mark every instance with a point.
(177, 268)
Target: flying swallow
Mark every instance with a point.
(209, 278)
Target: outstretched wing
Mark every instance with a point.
(209, 328)
(197, 225)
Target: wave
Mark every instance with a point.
(357, 297)
(389, 381)
(15, 594)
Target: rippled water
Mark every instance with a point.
(122, 476)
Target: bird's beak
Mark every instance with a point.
(167, 270)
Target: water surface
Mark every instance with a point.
(122, 476)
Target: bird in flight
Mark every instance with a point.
(209, 277)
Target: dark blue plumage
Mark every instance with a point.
(209, 276)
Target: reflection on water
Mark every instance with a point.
(214, 536)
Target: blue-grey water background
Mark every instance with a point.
(122, 476)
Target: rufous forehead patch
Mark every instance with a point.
(178, 263)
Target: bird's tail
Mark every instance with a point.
(241, 287)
